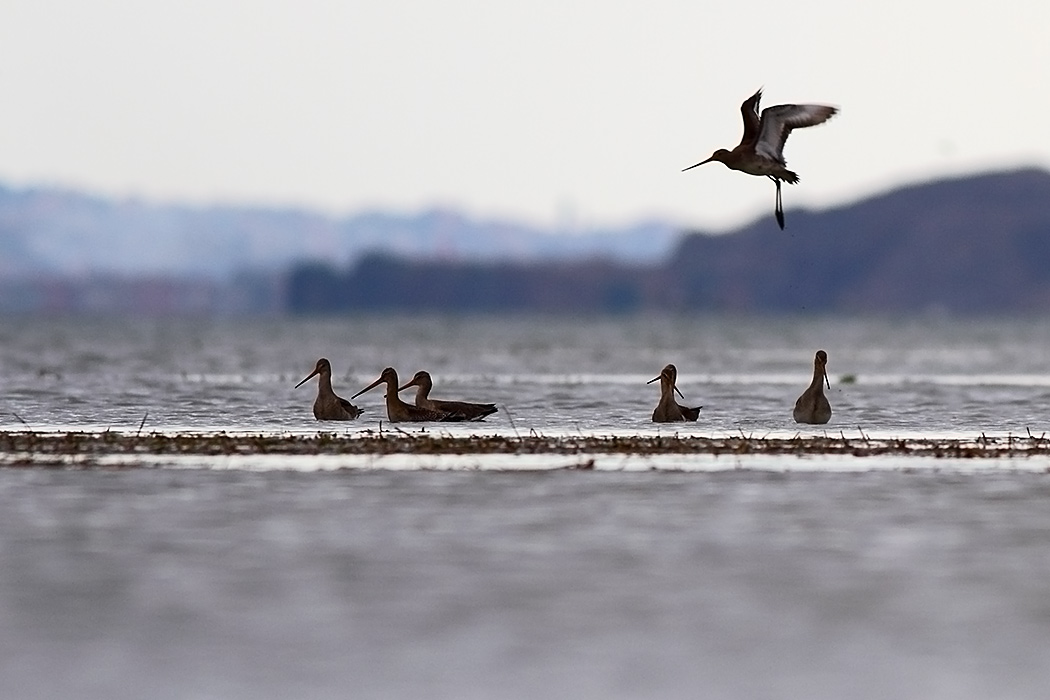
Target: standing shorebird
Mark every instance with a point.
(471, 411)
(813, 406)
(761, 150)
(397, 410)
(328, 406)
(669, 410)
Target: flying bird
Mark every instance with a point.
(761, 150)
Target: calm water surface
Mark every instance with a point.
(782, 581)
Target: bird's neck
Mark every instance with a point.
(667, 393)
(818, 378)
(392, 399)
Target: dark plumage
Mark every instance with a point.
(472, 411)
(398, 411)
(761, 149)
(813, 406)
(669, 410)
(328, 406)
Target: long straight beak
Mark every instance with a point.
(700, 163)
(826, 380)
(679, 393)
(307, 377)
(371, 386)
(656, 379)
(411, 382)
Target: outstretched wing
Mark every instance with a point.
(777, 122)
(752, 123)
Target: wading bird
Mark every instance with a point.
(669, 410)
(328, 406)
(761, 150)
(399, 411)
(471, 411)
(813, 406)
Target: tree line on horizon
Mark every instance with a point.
(978, 244)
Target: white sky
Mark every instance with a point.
(577, 112)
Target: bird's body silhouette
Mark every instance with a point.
(472, 411)
(813, 406)
(399, 411)
(761, 149)
(669, 410)
(327, 405)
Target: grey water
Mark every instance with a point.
(918, 376)
(209, 582)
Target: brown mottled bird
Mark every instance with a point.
(813, 406)
(761, 150)
(669, 410)
(328, 406)
(399, 411)
(423, 382)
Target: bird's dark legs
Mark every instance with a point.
(780, 204)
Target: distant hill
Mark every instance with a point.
(57, 233)
(978, 243)
(973, 244)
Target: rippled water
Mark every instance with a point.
(920, 376)
(778, 579)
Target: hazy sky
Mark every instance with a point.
(580, 112)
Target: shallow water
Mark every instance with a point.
(771, 577)
(920, 376)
